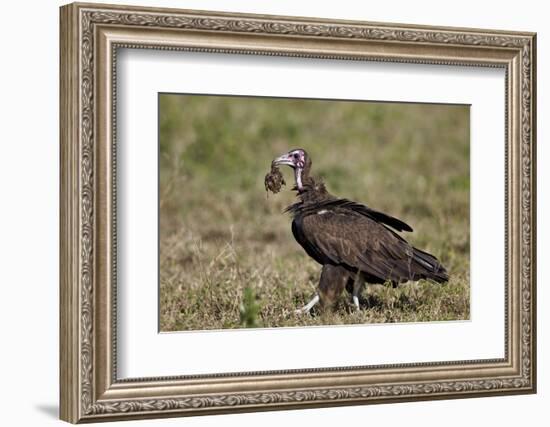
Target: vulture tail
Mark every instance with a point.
(428, 266)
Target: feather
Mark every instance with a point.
(356, 207)
(342, 232)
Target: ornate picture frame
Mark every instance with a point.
(90, 37)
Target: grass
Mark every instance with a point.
(227, 256)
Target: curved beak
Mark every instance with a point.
(285, 159)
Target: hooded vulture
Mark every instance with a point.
(354, 243)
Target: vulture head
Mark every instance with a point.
(299, 160)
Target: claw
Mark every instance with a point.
(308, 306)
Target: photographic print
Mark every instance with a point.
(268, 185)
(279, 212)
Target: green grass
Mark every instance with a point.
(227, 256)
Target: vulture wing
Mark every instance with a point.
(351, 238)
(371, 213)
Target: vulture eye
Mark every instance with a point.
(296, 156)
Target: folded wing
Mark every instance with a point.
(360, 242)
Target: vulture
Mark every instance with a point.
(353, 243)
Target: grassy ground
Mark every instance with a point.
(227, 256)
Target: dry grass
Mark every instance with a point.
(227, 256)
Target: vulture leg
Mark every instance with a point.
(308, 306)
(358, 283)
(332, 283)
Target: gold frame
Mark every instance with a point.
(90, 36)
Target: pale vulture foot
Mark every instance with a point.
(356, 302)
(308, 306)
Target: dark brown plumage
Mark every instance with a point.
(352, 242)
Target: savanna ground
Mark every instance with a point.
(227, 255)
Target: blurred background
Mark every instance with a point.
(227, 255)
